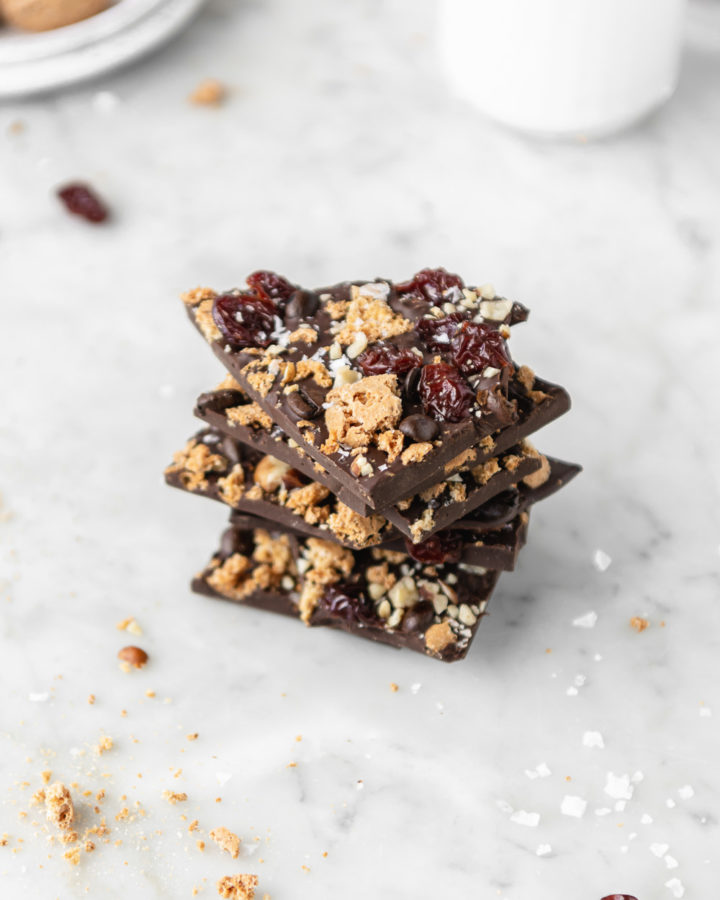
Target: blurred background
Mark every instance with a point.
(566, 152)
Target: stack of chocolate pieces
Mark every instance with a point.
(371, 440)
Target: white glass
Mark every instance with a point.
(563, 67)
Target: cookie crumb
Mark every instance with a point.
(638, 623)
(209, 92)
(174, 797)
(394, 687)
(91, 699)
(72, 855)
(226, 840)
(237, 887)
(59, 806)
(193, 736)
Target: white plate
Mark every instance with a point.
(30, 63)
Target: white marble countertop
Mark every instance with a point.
(339, 154)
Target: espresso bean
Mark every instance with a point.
(301, 406)
(302, 305)
(419, 427)
(419, 617)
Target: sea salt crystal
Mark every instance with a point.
(603, 811)
(618, 786)
(530, 819)
(38, 698)
(686, 792)
(543, 850)
(573, 806)
(414, 688)
(671, 862)
(593, 739)
(620, 805)
(601, 560)
(586, 621)
(645, 819)
(223, 777)
(670, 803)
(540, 771)
(659, 850)
(504, 806)
(676, 887)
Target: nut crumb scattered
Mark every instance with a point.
(237, 887)
(226, 840)
(193, 736)
(91, 699)
(174, 797)
(200, 845)
(393, 687)
(104, 744)
(638, 623)
(133, 656)
(209, 92)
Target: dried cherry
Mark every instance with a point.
(444, 393)
(475, 345)
(430, 284)
(384, 356)
(245, 319)
(349, 602)
(443, 547)
(271, 286)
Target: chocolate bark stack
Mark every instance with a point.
(371, 440)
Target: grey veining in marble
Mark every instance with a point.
(569, 756)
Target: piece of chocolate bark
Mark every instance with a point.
(229, 409)
(219, 467)
(382, 384)
(491, 548)
(377, 594)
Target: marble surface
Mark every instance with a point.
(340, 153)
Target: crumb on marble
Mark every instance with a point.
(237, 887)
(638, 623)
(59, 806)
(226, 840)
(209, 92)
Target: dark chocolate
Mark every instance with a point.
(322, 351)
(232, 412)
(382, 596)
(244, 479)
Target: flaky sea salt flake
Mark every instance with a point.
(573, 806)
(529, 819)
(618, 786)
(593, 739)
(676, 887)
(601, 560)
(586, 621)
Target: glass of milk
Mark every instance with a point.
(563, 67)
